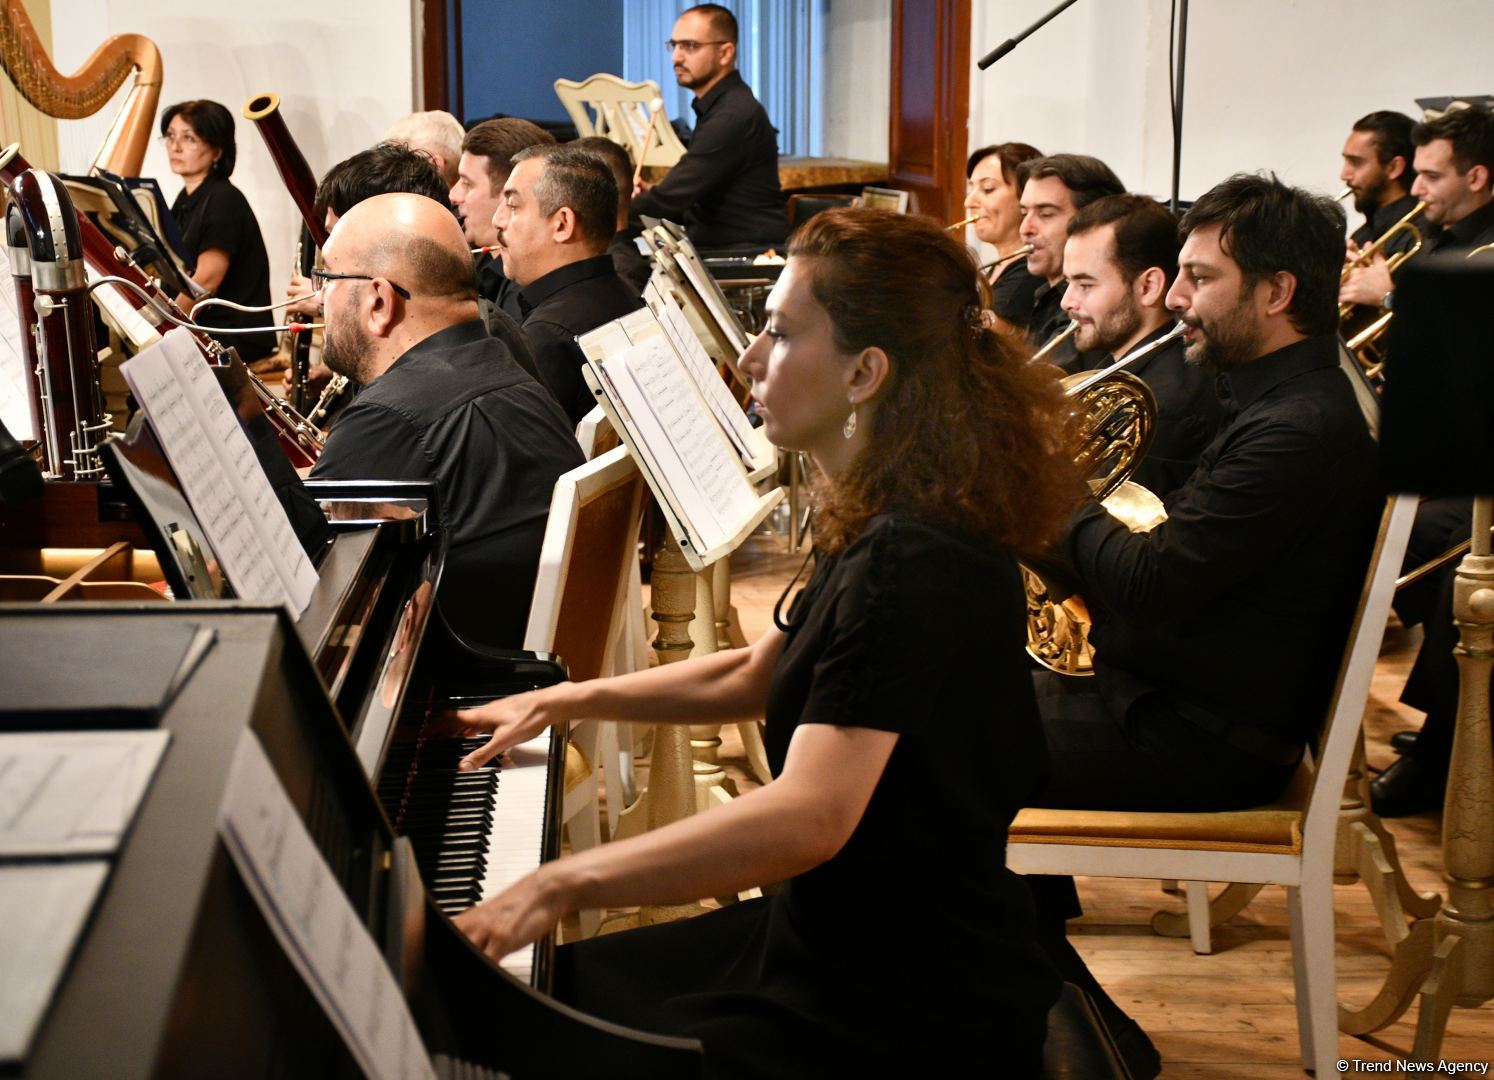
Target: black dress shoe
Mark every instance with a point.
(1403, 742)
(1407, 787)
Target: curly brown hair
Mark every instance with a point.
(966, 432)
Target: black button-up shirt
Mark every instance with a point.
(1188, 412)
(1380, 221)
(496, 287)
(1014, 294)
(560, 307)
(217, 216)
(724, 191)
(1475, 230)
(1239, 603)
(458, 409)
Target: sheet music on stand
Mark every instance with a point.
(245, 524)
(675, 255)
(706, 481)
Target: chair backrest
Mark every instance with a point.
(618, 110)
(596, 434)
(584, 561)
(1351, 693)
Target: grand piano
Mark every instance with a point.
(177, 972)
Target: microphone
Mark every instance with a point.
(20, 475)
(1011, 43)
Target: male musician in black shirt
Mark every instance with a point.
(1120, 259)
(1218, 633)
(482, 171)
(724, 191)
(1053, 188)
(1378, 170)
(1456, 150)
(558, 214)
(443, 401)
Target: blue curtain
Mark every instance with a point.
(778, 55)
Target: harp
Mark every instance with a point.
(90, 88)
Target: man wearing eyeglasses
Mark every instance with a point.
(442, 400)
(724, 191)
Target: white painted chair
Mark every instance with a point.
(618, 110)
(579, 611)
(1290, 842)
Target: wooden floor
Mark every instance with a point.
(1229, 1014)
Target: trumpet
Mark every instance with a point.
(1402, 227)
(1057, 340)
(971, 220)
(1002, 260)
(1344, 194)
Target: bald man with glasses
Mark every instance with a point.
(724, 191)
(442, 400)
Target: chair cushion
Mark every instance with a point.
(1272, 829)
(577, 768)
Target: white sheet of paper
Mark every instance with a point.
(126, 317)
(73, 793)
(15, 411)
(43, 910)
(244, 521)
(311, 917)
(710, 293)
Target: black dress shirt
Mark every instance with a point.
(217, 216)
(496, 287)
(724, 191)
(560, 307)
(1237, 606)
(1380, 221)
(456, 408)
(632, 265)
(1475, 230)
(1014, 294)
(1188, 413)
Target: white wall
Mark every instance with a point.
(342, 68)
(1270, 84)
(857, 77)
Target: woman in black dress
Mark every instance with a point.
(901, 725)
(225, 251)
(993, 192)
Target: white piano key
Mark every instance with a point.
(518, 831)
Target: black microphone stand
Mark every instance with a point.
(1011, 43)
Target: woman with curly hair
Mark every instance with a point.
(901, 725)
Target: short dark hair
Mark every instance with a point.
(434, 269)
(1470, 130)
(1146, 232)
(1012, 155)
(213, 124)
(379, 170)
(617, 160)
(578, 179)
(1391, 133)
(499, 140)
(723, 22)
(1268, 227)
(1087, 178)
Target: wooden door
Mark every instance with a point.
(930, 103)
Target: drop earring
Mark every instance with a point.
(849, 427)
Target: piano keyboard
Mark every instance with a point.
(474, 833)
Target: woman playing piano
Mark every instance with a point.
(901, 725)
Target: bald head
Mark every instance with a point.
(409, 239)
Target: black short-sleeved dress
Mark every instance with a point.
(217, 215)
(911, 949)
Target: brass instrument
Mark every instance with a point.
(971, 220)
(1394, 262)
(89, 89)
(1002, 260)
(1054, 342)
(1119, 418)
(1344, 194)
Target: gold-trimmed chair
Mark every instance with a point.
(1289, 842)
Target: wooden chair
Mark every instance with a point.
(1290, 842)
(618, 110)
(581, 596)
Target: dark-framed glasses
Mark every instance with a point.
(319, 278)
(690, 47)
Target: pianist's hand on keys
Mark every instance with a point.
(516, 917)
(507, 722)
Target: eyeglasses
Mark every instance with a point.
(690, 47)
(319, 278)
(186, 138)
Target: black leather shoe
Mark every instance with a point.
(1403, 742)
(1407, 787)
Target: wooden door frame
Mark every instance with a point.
(440, 26)
(940, 190)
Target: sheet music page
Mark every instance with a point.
(697, 463)
(125, 316)
(710, 293)
(44, 909)
(15, 412)
(73, 793)
(703, 370)
(313, 920)
(245, 523)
